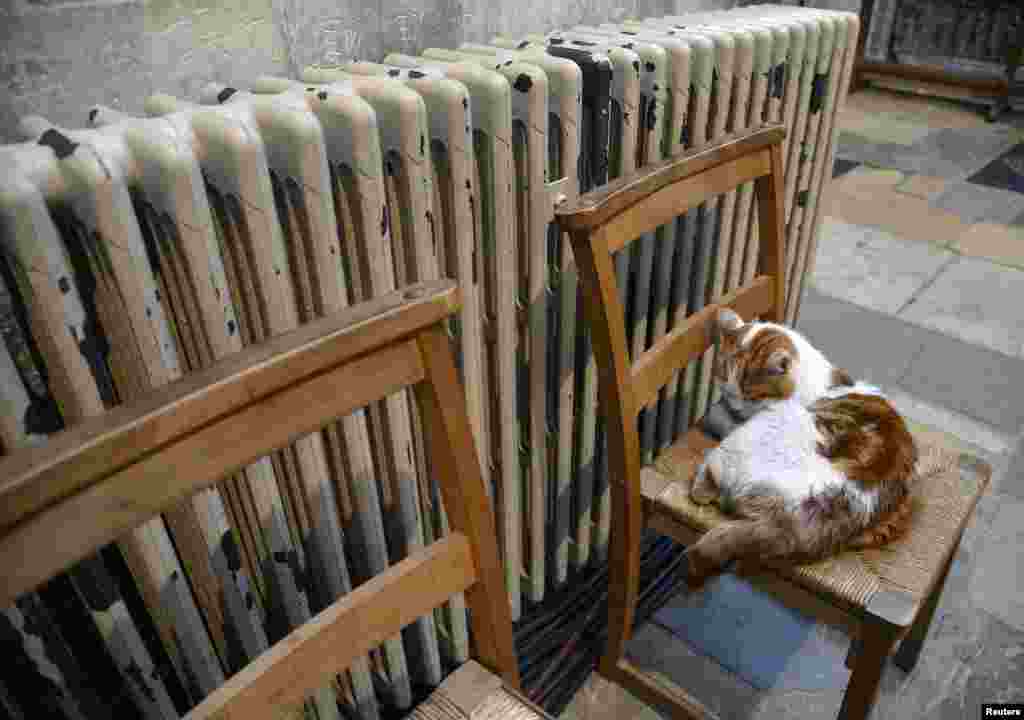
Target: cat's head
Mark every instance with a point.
(756, 363)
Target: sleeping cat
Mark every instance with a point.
(821, 464)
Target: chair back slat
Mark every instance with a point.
(598, 206)
(34, 478)
(167, 475)
(102, 478)
(285, 674)
(688, 341)
(671, 201)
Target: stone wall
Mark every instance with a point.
(60, 57)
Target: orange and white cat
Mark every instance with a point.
(821, 463)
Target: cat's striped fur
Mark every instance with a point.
(822, 463)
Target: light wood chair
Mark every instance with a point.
(881, 595)
(94, 482)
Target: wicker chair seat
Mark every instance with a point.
(474, 693)
(946, 487)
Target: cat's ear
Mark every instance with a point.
(779, 362)
(728, 321)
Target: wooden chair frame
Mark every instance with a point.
(604, 221)
(95, 481)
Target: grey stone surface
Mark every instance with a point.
(798, 705)
(952, 153)
(655, 650)
(958, 152)
(867, 344)
(975, 658)
(968, 434)
(782, 648)
(976, 301)
(1011, 480)
(998, 582)
(871, 267)
(856, 148)
(979, 203)
(992, 671)
(976, 381)
(970, 657)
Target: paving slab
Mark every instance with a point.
(945, 152)
(1011, 480)
(925, 187)
(599, 699)
(998, 582)
(867, 344)
(974, 300)
(885, 129)
(1005, 172)
(873, 268)
(856, 148)
(869, 196)
(866, 180)
(973, 658)
(1003, 244)
(798, 705)
(909, 217)
(657, 651)
(763, 641)
(965, 150)
(840, 167)
(980, 203)
(928, 418)
(976, 381)
(931, 112)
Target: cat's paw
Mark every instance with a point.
(704, 489)
(696, 573)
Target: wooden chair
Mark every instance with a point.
(881, 595)
(94, 482)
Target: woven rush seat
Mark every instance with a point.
(946, 486)
(474, 692)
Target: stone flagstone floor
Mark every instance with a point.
(918, 286)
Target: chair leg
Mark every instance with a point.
(876, 640)
(910, 647)
(851, 654)
(623, 577)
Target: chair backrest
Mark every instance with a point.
(94, 482)
(606, 220)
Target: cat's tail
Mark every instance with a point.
(889, 528)
(756, 541)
